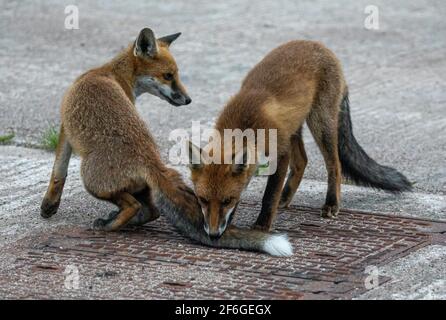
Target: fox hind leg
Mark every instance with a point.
(325, 131)
(148, 212)
(298, 163)
(128, 206)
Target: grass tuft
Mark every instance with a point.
(50, 139)
(260, 168)
(6, 138)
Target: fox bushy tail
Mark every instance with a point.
(190, 224)
(358, 166)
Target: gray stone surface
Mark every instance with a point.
(396, 77)
(420, 275)
(396, 74)
(25, 172)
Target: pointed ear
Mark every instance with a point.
(240, 161)
(195, 156)
(170, 38)
(145, 44)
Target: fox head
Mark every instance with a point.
(156, 70)
(218, 187)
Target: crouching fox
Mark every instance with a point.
(120, 160)
(300, 81)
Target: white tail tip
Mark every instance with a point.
(278, 245)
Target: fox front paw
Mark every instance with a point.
(329, 211)
(284, 202)
(285, 197)
(48, 209)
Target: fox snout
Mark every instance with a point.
(215, 233)
(178, 94)
(214, 225)
(171, 93)
(180, 99)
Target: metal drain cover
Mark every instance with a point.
(155, 262)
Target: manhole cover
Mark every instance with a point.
(329, 262)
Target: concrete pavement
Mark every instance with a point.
(396, 77)
(396, 74)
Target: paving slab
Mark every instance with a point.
(330, 261)
(420, 275)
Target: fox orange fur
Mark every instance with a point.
(120, 160)
(298, 82)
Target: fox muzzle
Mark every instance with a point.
(215, 234)
(151, 85)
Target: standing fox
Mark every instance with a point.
(120, 160)
(297, 82)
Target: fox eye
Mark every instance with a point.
(168, 76)
(204, 201)
(226, 202)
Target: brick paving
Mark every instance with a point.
(155, 262)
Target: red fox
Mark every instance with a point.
(297, 82)
(120, 160)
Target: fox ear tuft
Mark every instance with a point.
(170, 38)
(145, 44)
(195, 156)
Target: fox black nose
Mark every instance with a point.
(176, 96)
(188, 100)
(215, 236)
